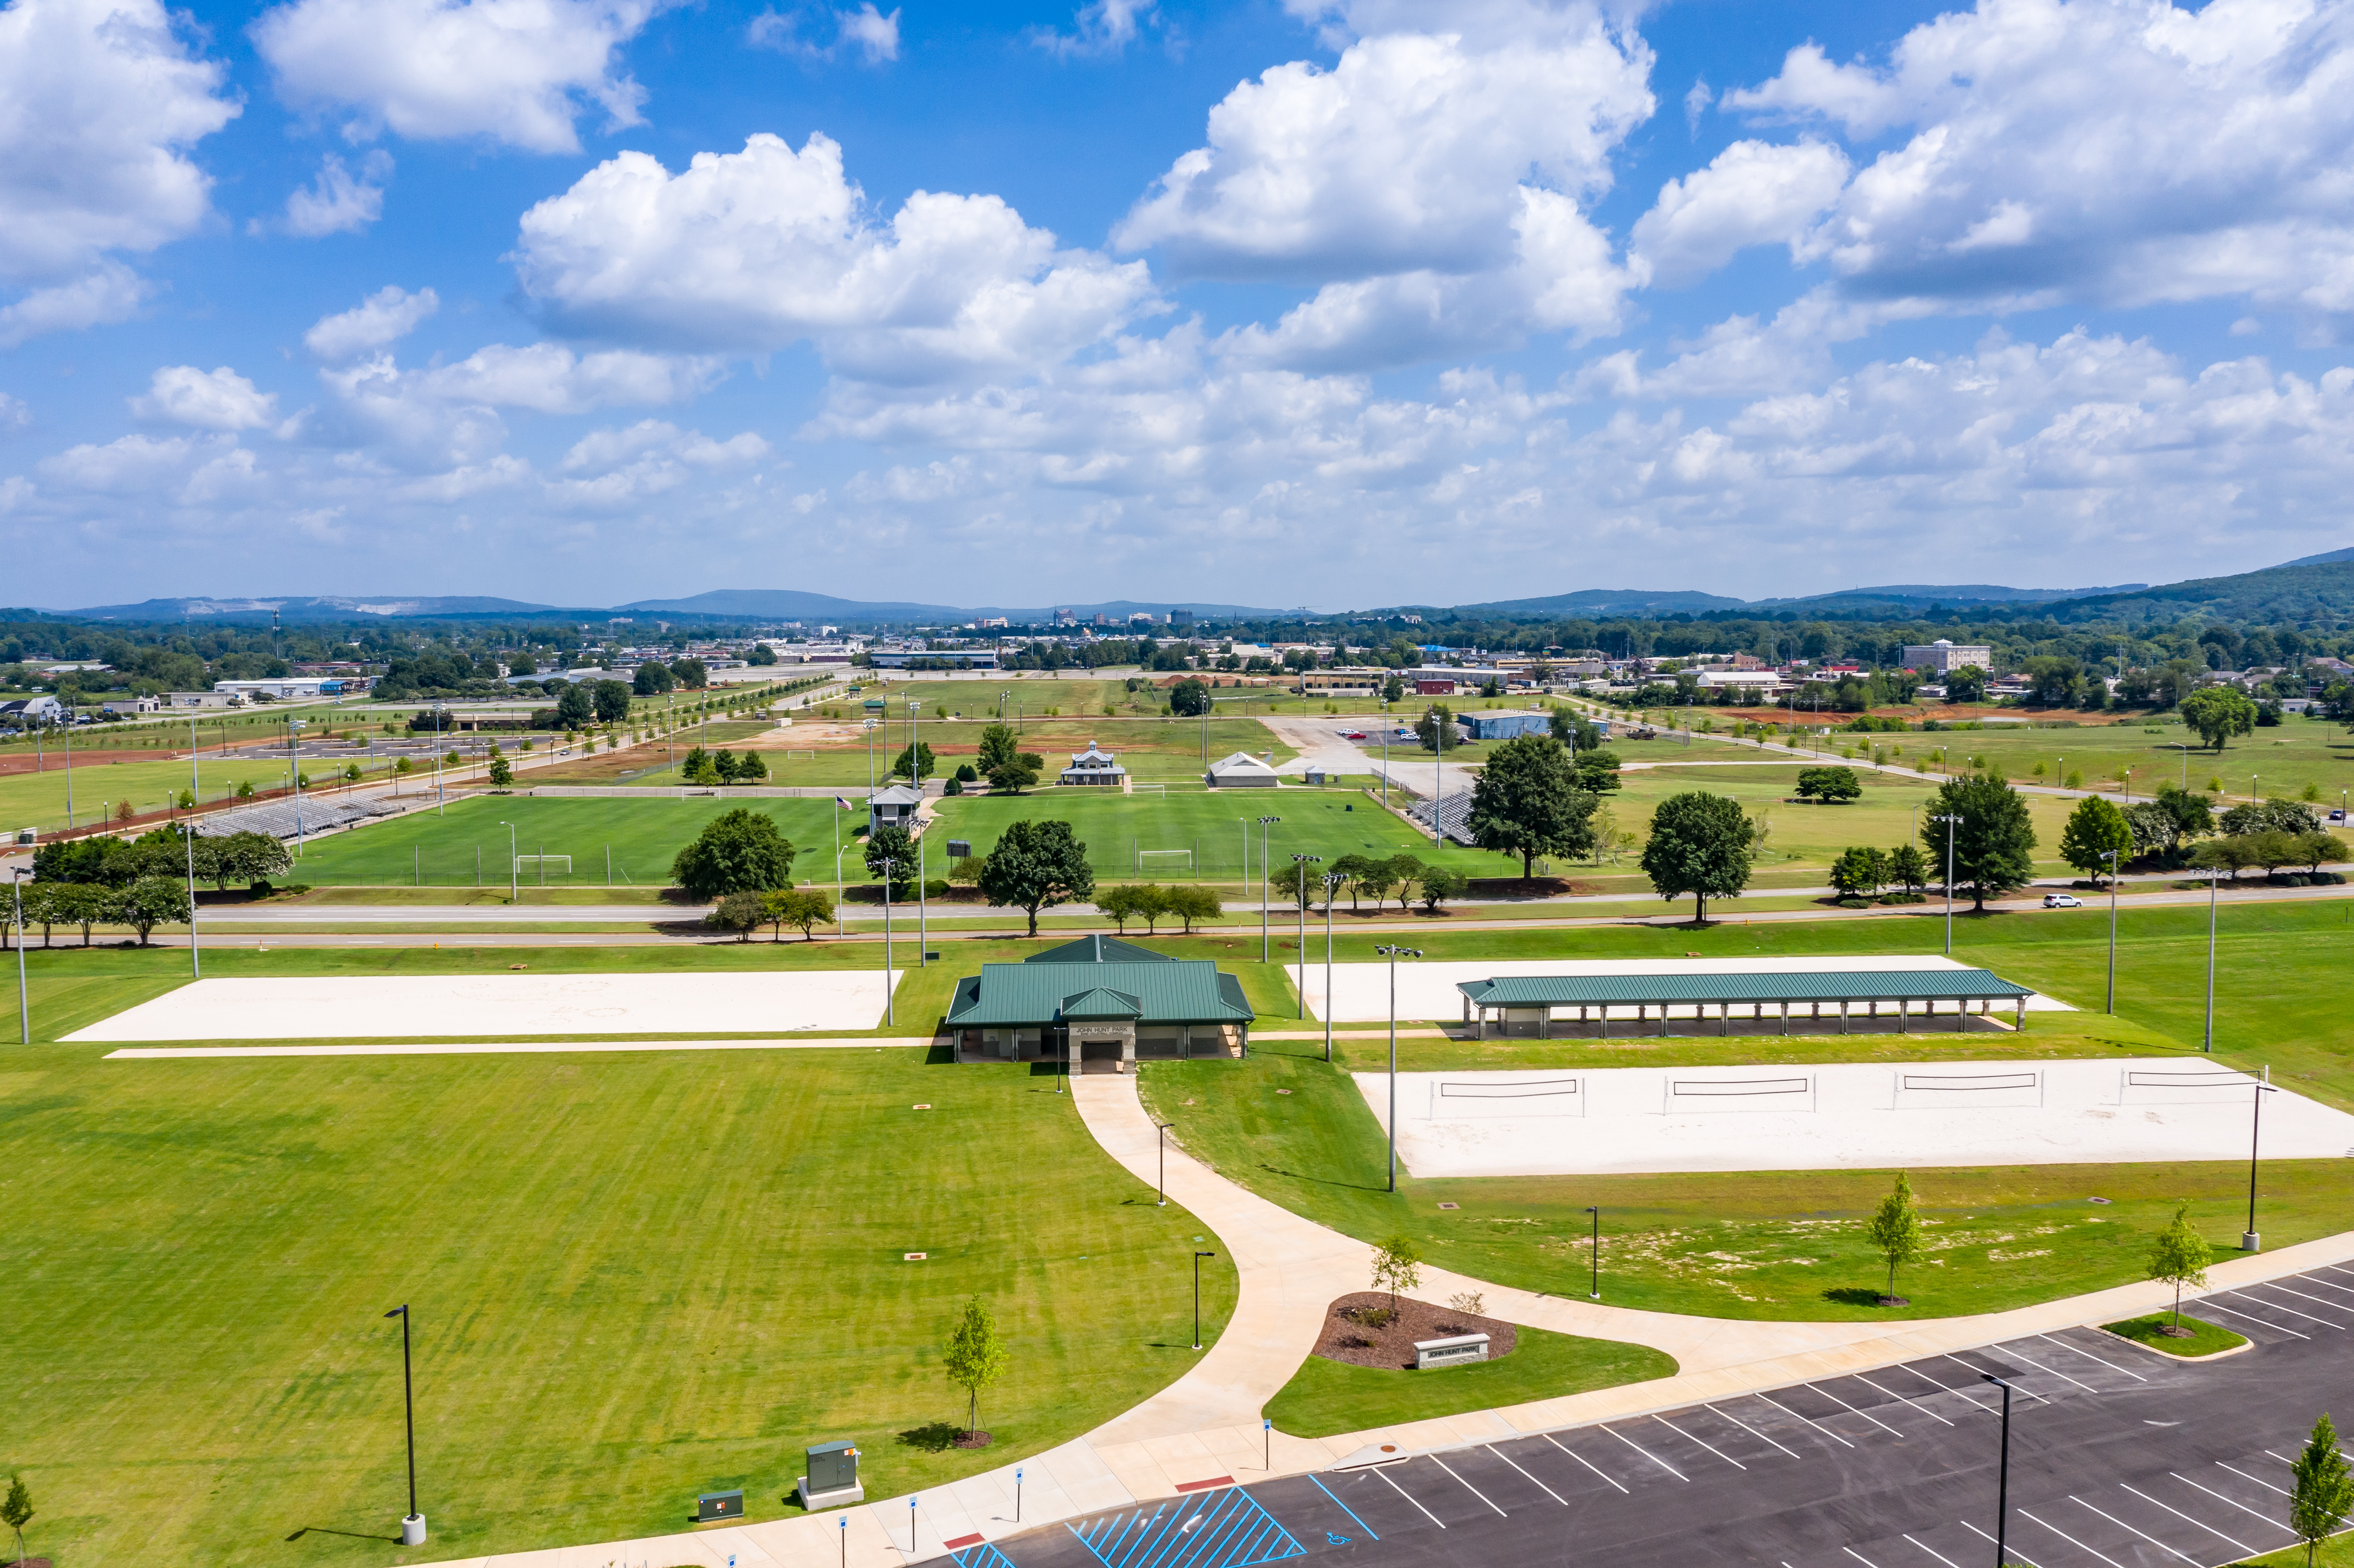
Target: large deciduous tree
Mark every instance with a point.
(2219, 713)
(1700, 845)
(1993, 840)
(2094, 830)
(1035, 865)
(739, 852)
(1526, 802)
(895, 846)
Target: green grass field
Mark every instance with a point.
(1325, 1397)
(633, 1279)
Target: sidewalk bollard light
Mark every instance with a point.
(1197, 1296)
(2002, 1482)
(1595, 1292)
(842, 1535)
(1017, 1494)
(911, 1524)
(1163, 1128)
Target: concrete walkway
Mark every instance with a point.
(1205, 1428)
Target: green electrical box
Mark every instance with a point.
(832, 1467)
(712, 1506)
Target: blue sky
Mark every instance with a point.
(1348, 304)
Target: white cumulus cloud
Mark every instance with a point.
(1753, 193)
(1099, 27)
(517, 71)
(220, 399)
(751, 251)
(339, 201)
(874, 36)
(385, 316)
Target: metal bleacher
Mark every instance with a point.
(1454, 814)
(278, 819)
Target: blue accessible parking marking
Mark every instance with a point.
(981, 1556)
(1224, 1529)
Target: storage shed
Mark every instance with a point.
(1241, 772)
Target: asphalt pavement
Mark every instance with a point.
(2120, 1457)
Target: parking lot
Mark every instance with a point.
(2120, 1458)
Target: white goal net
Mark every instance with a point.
(561, 864)
(1714, 1095)
(1144, 858)
(1159, 790)
(1453, 1099)
(1967, 1091)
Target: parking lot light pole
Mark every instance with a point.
(1394, 953)
(1303, 861)
(1197, 1296)
(2250, 1241)
(1594, 1292)
(2111, 856)
(412, 1525)
(513, 890)
(1161, 1133)
(1950, 819)
(1265, 887)
(1333, 880)
(24, 1004)
(2214, 879)
(890, 1013)
(2002, 1478)
(195, 794)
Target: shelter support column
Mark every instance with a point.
(2022, 1015)
(1786, 1018)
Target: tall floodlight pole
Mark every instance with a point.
(294, 773)
(1333, 880)
(1950, 819)
(514, 892)
(69, 812)
(2002, 1481)
(2111, 856)
(24, 1004)
(2207, 1042)
(1394, 953)
(2251, 1240)
(195, 786)
(889, 1014)
(1266, 888)
(1303, 861)
(412, 1524)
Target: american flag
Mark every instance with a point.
(844, 804)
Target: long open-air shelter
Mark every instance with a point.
(1527, 1006)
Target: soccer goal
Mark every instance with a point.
(801, 755)
(561, 864)
(1482, 1100)
(1159, 790)
(2156, 1086)
(1714, 1095)
(1970, 1091)
(1145, 857)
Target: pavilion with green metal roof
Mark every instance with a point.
(1099, 999)
(1524, 1006)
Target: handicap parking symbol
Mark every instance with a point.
(1332, 1537)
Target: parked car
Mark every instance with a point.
(2062, 901)
(1352, 735)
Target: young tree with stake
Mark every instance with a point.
(1894, 1230)
(17, 1512)
(1397, 1266)
(2322, 1494)
(2180, 1258)
(975, 1358)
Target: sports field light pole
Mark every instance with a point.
(1161, 1133)
(514, 893)
(2214, 877)
(2002, 1478)
(2111, 856)
(1394, 953)
(294, 771)
(1197, 1296)
(890, 1015)
(24, 1005)
(1303, 861)
(2250, 1241)
(1266, 887)
(1333, 880)
(1950, 819)
(412, 1525)
(1595, 1292)
(196, 793)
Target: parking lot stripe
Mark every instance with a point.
(2091, 1357)
(2014, 1550)
(1843, 1404)
(2055, 1371)
(2292, 1311)
(2245, 1477)
(1344, 1507)
(1893, 1394)
(1941, 1388)
(1409, 1497)
(1648, 1455)
(1467, 1487)
(2190, 1519)
(1933, 1552)
(2244, 1317)
(1710, 1446)
(1713, 1409)
(1982, 1371)
(1541, 1486)
(2301, 1296)
(1816, 1424)
(1583, 1460)
(1860, 1557)
(2070, 1540)
(2153, 1539)
(2324, 1284)
(2220, 1498)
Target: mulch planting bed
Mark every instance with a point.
(1347, 1338)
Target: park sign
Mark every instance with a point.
(1449, 1352)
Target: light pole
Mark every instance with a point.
(1394, 953)
(1266, 887)
(1950, 820)
(1303, 861)
(412, 1525)
(295, 772)
(1197, 1296)
(2111, 856)
(24, 1004)
(890, 1013)
(2214, 877)
(1333, 880)
(1162, 1133)
(196, 793)
(1595, 1292)
(2002, 1480)
(513, 892)
(2249, 1240)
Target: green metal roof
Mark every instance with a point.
(1170, 991)
(1821, 985)
(1102, 1001)
(1099, 950)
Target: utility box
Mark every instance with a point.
(713, 1506)
(832, 1478)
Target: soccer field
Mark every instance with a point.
(466, 846)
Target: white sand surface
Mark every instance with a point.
(1843, 1116)
(1360, 992)
(472, 1006)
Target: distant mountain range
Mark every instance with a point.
(2301, 592)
